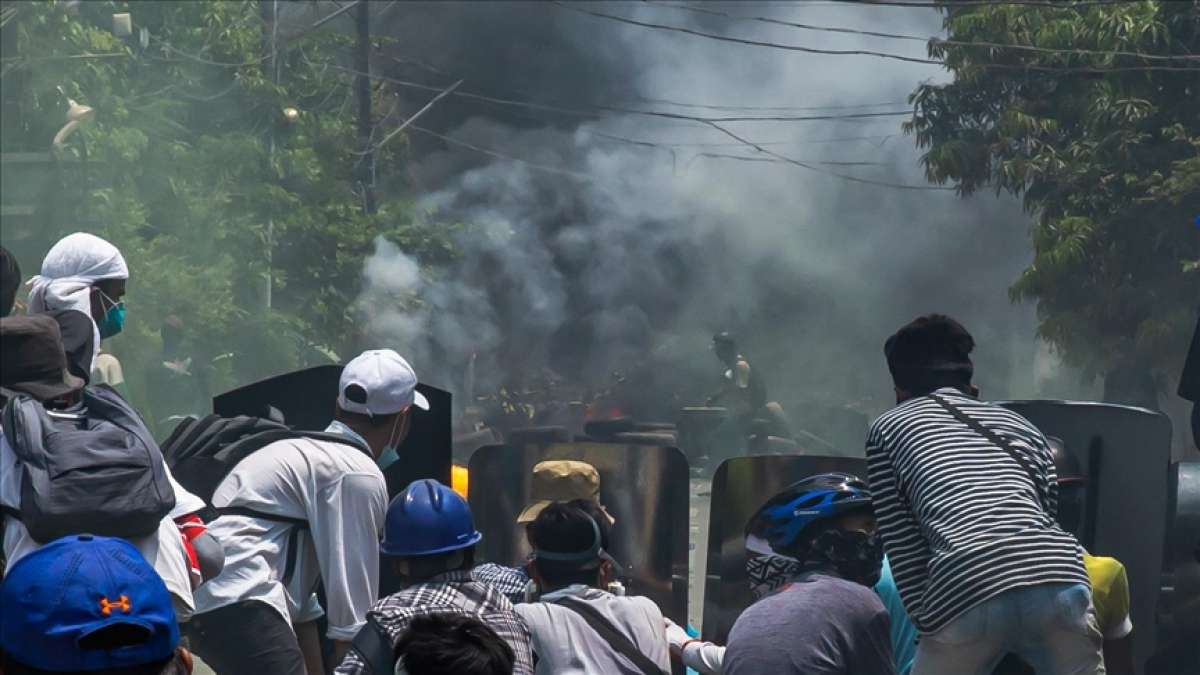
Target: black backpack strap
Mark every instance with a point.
(373, 646)
(995, 438)
(614, 637)
(293, 543)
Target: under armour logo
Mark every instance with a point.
(122, 603)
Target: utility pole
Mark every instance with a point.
(270, 11)
(362, 84)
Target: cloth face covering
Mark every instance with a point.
(114, 317)
(768, 572)
(854, 555)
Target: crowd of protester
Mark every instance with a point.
(962, 495)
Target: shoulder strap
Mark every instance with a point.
(610, 634)
(374, 648)
(992, 436)
(293, 541)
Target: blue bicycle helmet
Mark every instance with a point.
(427, 518)
(785, 519)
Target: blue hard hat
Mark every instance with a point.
(428, 518)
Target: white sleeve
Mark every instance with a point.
(346, 519)
(185, 502)
(704, 658)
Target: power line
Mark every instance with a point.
(755, 43)
(803, 165)
(694, 144)
(500, 155)
(721, 155)
(600, 110)
(1056, 4)
(859, 52)
(710, 106)
(918, 38)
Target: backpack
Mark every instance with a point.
(202, 452)
(93, 470)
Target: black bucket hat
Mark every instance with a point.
(32, 360)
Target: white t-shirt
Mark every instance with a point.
(566, 645)
(341, 492)
(164, 549)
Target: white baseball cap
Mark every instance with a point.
(389, 382)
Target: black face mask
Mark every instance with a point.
(854, 555)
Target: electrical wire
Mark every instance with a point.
(500, 155)
(803, 165)
(754, 43)
(601, 110)
(722, 155)
(860, 52)
(692, 144)
(940, 41)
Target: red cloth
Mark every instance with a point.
(190, 527)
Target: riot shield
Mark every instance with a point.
(307, 397)
(1125, 452)
(645, 488)
(741, 485)
(1179, 605)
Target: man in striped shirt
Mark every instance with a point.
(965, 493)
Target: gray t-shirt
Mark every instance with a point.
(818, 625)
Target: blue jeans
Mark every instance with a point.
(1052, 627)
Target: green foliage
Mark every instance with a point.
(195, 173)
(1108, 163)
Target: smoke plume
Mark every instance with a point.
(588, 253)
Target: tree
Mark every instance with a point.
(1103, 145)
(182, 175)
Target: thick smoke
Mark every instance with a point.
(594, 254)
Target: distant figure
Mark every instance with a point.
(966, 496)
(176, 385)
(742, 389)
(744, 394)
(88, 604)
(437, 644)
(107, 370)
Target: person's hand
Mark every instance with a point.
(676, 636)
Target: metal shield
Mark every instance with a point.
(644, 488)
(739, 487)
(1125, 452)
(1179, 605)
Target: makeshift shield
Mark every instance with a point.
(740, 486)
(644, 488)
(1179, 605)
(307, 398)
(1125, 453)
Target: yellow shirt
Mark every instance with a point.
(1110, 595)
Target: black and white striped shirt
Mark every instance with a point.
(960, 518)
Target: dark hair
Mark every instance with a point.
(424, 567)
(10, 280)
(566, 528)
(453, 643)
(929, 353)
